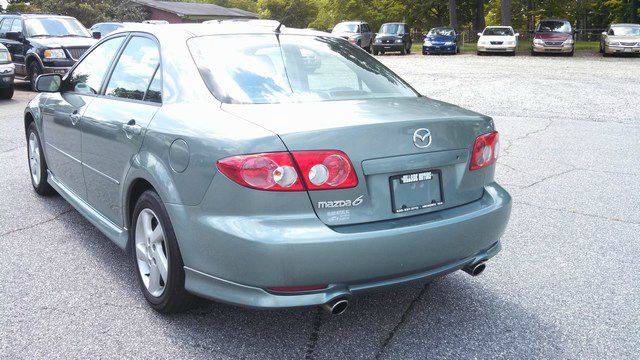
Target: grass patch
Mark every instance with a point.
(523, 46)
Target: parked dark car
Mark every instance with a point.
(441, 40)
(100, 30)
(393, 37)
(357, 32)
(6, 74)
(553, 36)
(41, 44)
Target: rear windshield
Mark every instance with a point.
(498, 32)
(266, 69)
(554, 26)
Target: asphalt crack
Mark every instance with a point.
(403, 320)
(548, 178)
(38, 223)
(11, 149)
(313, 337)
(579, 213)
(526, 135)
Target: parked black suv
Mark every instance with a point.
(393, 37)
(41, 44)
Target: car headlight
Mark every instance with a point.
(511, 42)
(538, 42)
(398, 41)
(54, 54)
(378, 41)
(569, 42)
(614, 43)
(5, 56)
(427, 43)
(448, 43)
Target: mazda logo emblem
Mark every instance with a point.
(422, 138)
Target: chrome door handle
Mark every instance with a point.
(75, 118)
(132, 129)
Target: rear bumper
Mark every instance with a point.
(235, 259)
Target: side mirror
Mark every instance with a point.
(479, 34)
(604, 33)
(96, 34)
(517, 34)
(13, 35)
(458, 35)
(48, 83)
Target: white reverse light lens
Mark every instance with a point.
(319, 174)
(486, 153)
(285, 176)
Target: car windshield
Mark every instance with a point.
(554, 26)
(498, 32)
(264, 69)
(345, 27)
(55, 27)
(392, 29)
(441, 32)
(625, 31)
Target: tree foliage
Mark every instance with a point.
(420, 14)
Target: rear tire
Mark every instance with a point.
(156, 256)
(6, 94)
(37, 163)
(375, 52)
(409, 49)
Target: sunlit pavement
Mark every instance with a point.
(566, 284)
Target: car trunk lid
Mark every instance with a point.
(378, 137)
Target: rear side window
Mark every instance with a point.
(87, 77)
(5, 26)
(154, 93)
(135, 69)
(17, 26)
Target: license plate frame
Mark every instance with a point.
(424, 177)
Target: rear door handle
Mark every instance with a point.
(131, 128)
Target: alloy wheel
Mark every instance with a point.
(151, 252)
(34, 158)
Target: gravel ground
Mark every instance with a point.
(566, 284)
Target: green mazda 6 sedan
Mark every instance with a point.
(234, 171)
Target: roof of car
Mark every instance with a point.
(394, 22)
(33, 16)
(499, 27)
(352, 22)
(223, 27)
(615, 25)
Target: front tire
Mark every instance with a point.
(37, 164)
(7, 93)
(156, 255)
(403, 51)
(34, 71)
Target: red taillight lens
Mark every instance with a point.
(323, 170)
(283, 171)
(269, 171)
(485, 151)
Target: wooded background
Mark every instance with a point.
(471, 15)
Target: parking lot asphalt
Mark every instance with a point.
(566, 284)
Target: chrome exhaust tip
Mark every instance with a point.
(475, 269)
(336, 307)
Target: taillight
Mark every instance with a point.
(485, 151)
(324, 170)
(268, 171)
(313, 170)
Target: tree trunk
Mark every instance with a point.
(635, 5)
(531, 18)
(505, 12)
(453, 14)
(478, 22)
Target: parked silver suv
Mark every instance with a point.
(357, 32)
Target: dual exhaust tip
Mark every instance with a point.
(340, 305)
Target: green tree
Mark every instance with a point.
(294, 13)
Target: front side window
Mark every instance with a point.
(87, 77)
(498, 32)
(55, 26)
(297, 68)
(17, 26)
(135, 69)
(554, 26)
